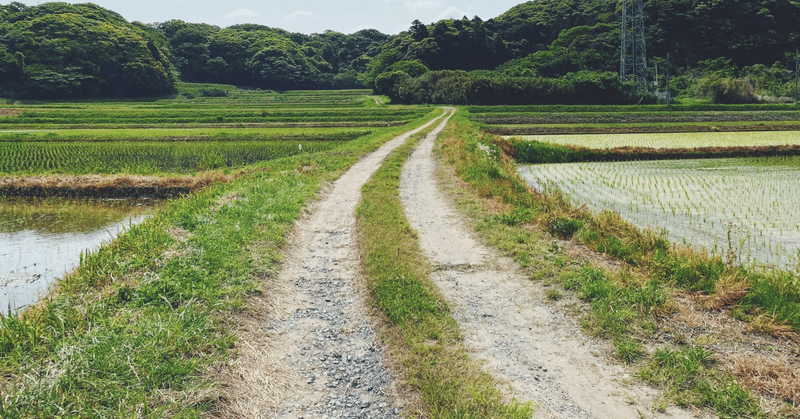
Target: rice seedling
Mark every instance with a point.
(144, 157)
(674, 140)
(134, 330)
(746, 206)
(190, 134)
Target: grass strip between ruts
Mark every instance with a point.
(132, 332)
(420, 328)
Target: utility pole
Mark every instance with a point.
(796, 68)
(669, 94)
(624, 44)
(655, 82)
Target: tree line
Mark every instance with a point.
(544, 51)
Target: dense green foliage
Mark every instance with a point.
(260, 56)
(59, 50)
(545, 51)
(723, 52)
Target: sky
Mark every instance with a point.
(305, 16)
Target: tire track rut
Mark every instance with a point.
(539, 351)
(317, 356)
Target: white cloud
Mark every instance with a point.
(422, 4)
(241, 13)
(302, 14)
(451, 12)
(417, 4)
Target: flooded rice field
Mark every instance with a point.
(42, 239)
(748, 207)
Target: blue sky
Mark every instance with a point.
(305, 16)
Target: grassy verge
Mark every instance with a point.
(537, 152)
(636, 128)
(420, 327)
(623, 307)
(132, 332)
(767, 293)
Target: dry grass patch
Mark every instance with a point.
(762, 354)
(770, 325)
(775, 376)
(258, 381)
(729, 290)
(10, 112)
(107, 186)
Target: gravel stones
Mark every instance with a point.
(320, 330)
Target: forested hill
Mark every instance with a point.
(567, 51)
(567, 47)
(58, 50)
(260, 56)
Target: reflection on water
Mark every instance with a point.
(42, 239)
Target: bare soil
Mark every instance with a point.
(533, 346)
(307, 348)
(106, 186)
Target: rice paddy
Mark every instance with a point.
(747, 208)
(150, 313)
(144, 157)
(187, 133)
(674, 140)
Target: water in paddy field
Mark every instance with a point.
(746, 208)
(42, 239)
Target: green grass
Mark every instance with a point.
(676, 108)
(229, 114)
(132, 332)
(239, 109)
(424, 336)
(624, 307)
(690, 378)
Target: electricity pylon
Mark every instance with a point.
(633, 51)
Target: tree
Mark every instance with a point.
(65, 51)
(419, 31)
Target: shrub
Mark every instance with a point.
(719, 89)
(213, 92)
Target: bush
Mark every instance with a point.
(728, 90)
(213, 92)
(488, 88)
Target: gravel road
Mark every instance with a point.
(316, 355)
(308, 349)
(538, 350)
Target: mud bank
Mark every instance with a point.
(113, 186)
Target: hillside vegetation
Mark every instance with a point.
(59, 50)
(538, 52)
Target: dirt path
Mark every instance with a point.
(531, 345)
(309, 350)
